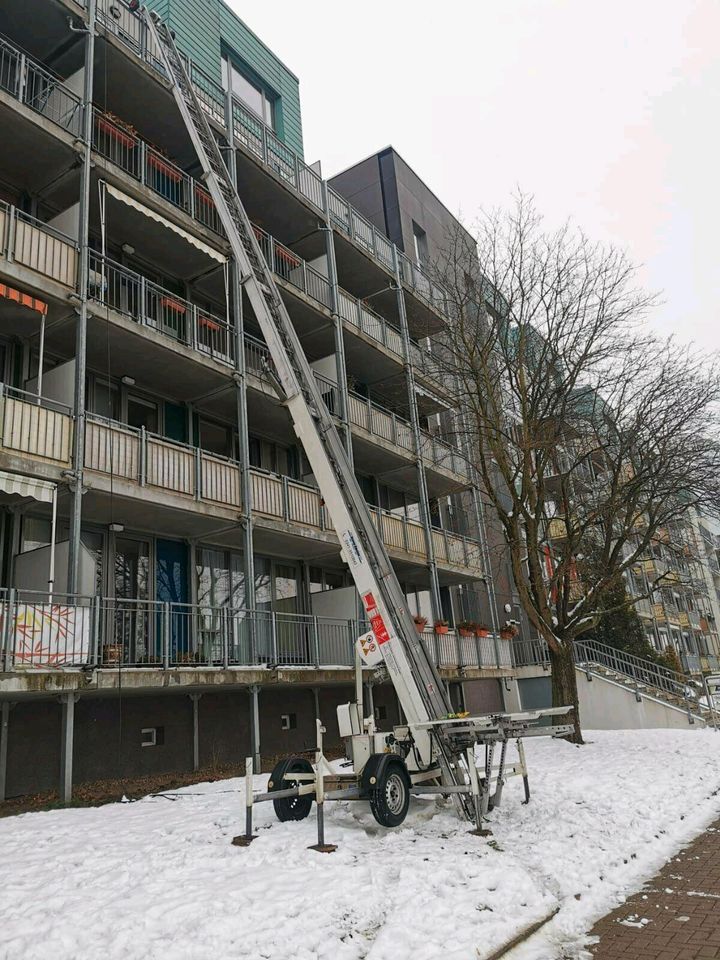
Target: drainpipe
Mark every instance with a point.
(340, 368)
(417, 440)
(81, 327)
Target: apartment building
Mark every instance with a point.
(173, 593)
(682, 612)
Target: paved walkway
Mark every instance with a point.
(676, 916)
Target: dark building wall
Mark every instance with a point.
(33, 758)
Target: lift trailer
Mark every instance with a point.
(427, 748)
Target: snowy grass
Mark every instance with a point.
(160, 879)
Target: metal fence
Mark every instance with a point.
(37, 246)
(41, 632)
(39, 89)
(132, 294)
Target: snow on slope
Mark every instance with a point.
(159, 878)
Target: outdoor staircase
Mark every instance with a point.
(646, 679)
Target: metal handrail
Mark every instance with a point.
(38, 88)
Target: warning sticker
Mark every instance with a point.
(376, 621)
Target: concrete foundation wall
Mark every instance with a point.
(108, 732)
(607, 706)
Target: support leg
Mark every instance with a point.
(66, 746)
(523, 767)
(497, 796)
(316, 702)
(244, 840)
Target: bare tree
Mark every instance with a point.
(590, 435)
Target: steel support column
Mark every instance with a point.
(241, 393)
(67, 741)
(417, 441)
(254, 692)
(340, 368)
(81, 326)
(195, 697)
(5, 709)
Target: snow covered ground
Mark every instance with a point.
(160, 879)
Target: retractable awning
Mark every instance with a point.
(23, 486)
(24, 299)
(158, 218)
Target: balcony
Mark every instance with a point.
(31, 244)
(40, 90)
(77, 633)
(260, 142)
(34, 429)
(155, 467)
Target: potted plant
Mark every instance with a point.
(482, 630)
(112, 653)
(507, 632)
(440, 627)
(420, 622)
(466, 628)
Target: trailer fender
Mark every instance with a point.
(375, 768)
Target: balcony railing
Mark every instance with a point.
(37, 246)
(253, 135)
(35, 427)
(145, 164)
(153, 306)
(39, 89)
(154, 461)
(62, 633)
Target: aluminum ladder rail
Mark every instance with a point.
(418, 684)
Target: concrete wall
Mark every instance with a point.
(108, 732)
(608, 706)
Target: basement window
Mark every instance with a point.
(288, 721)
(152, 736)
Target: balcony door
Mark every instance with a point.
(131, 573)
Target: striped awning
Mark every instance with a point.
(23, 486)
(24, 299)
(147, 212)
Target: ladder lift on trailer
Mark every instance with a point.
(429, 749)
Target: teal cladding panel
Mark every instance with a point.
(204, 27)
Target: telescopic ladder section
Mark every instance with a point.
(416, 680)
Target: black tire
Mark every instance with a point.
(290, 808)
(390, 797)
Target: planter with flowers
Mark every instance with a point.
(420, 622)
(440, 627)
(466, 628)
(482, 630)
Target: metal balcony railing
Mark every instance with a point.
(153, 306)
(155, 171)
(252, 134)
(39, 89)
(37, 246)
(154, 461)
(35, 427)
(64, 633)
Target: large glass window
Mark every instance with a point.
(251, 93)
(220, 578)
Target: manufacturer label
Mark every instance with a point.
(352, 550)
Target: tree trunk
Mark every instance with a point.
(564, 685)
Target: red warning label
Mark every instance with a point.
(377, 623)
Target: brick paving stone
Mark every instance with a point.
(681, 905)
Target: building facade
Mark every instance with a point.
(173, 593)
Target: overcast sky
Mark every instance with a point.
(606, 110)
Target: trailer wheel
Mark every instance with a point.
(390, 798)
(290, 808)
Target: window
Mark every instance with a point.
(381, 712)
(250, 92)
(214, 438)
(288, 721)
(152, 736)
(106, 400)
(142, 413)
(420, 244)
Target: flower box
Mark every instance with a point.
(175, 306)
(107, 127)
(165, 168)
(482, 632)
(209, 324)
(441, 629)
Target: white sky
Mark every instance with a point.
(606, 110)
